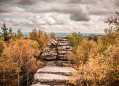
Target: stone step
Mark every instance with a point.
(39, 84)
(56, 70)
(50, 79)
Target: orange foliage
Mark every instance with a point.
(102, 66)
(18, 58)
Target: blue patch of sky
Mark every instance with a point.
(23, 7)
(14, 17)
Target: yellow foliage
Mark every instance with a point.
(104, 69)
(18, 56)
(84, 51)
(102, 64)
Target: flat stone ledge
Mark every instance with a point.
(56, 70)
(50, 78)
(39, 84)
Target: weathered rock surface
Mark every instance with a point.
(39, 84)
(55, 69)
(53, 41)
(49, 63)
(52, 75)
(57, 50)
(49, 79)
(64, 49)
(55, 54)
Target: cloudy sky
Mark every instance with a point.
(85, 16)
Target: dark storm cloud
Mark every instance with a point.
(75, 11)
(102, 12)
(74, 1)
(19, 2)
(3, 10)
(2, 2)
(7, 9)
(79, 17)
(107, 7)
(83, 1)
(25, 2)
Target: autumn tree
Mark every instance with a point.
(52, 35)
(19, 34)
(40, 37)
(18, 62)
(102, 66)
(102, 70)
(75, 40)
(83, 51)
(11, 34)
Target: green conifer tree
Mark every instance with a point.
(4, 33)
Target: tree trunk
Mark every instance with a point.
(4, 77)
(18, 73)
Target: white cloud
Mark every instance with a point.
(48, 19)
(75, 11)
(57, 15)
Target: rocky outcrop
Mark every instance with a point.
(54, 56)
(50, 52)
(52, 76)
(63, 47)
(60, 50)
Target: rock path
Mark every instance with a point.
(54, 55)
(52, 76)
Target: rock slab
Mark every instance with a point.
(55, 69)
(52, 75)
